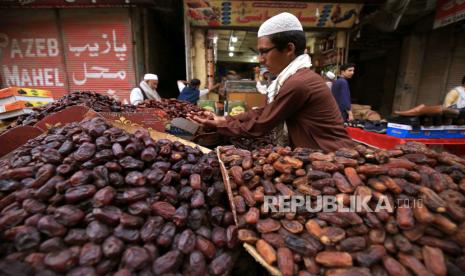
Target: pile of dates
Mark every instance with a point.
(88, 199)
(174, 108)
(95, 101)
(422, 233)
(251, 143)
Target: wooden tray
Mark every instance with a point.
(16, 137)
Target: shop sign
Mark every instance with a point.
(31, 54)
(99, 55)
(223, 13)
(69, 3)
(93, 52)
(448, 12)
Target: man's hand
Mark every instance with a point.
(350, 115)
(207, 119)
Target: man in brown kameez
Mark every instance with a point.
(300, 105)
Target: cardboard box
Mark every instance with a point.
(20, 105)
(24, 92)
(435, 132)
(14, 113)
(251, 99)
(35, 101)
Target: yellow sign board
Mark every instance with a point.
(234, 13)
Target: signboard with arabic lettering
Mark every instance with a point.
(31, 54)
(98, 51)
(233, 13)
(448, 12)
(93, 51)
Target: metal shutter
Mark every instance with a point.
(31, 54)
(457, 67)
(98, 47)
(435, 67)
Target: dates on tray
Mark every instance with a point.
(110, 202)
(420, 232)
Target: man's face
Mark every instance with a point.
(274, 60)
(153, 84)
(266, 75)
(348, 73)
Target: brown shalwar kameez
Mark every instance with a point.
(305, 103)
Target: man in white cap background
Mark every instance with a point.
(146, 90)
(330, 77)
(263, 84)
(300, 105)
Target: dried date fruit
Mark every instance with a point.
(413, 264)
(91, 254)
(26, 238)
(135, 258)
(112, 247)
(332, 235)
(221, 264)
(285, 261)
(305, 245)
(334, 259)
(266, 251)
(97, 231)
(268, 225)
(371, 255)
(49, 226)
(196, 265)
(186, 242)
(79, 193)
(68, 215)
(205, 246)
(61, 261)
(252, 216)
(292, 226)
(167, 263)
(163, 209)
(166, 235)
(434, 260)
(247, 236)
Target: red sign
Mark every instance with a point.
(98, 53)
(30, 52)
(448, 12)
(94, 51)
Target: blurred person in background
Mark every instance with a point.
(341, 91)
(147, 90)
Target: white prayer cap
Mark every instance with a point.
(150, 77)
(264, 70)
(282, 22)
(330, 75)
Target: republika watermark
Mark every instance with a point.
(329, 203)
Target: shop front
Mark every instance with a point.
(70, 48)
(222, 36)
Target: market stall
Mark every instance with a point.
(382, 141)
(242, 96)
(92, 194)
(438, 127)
